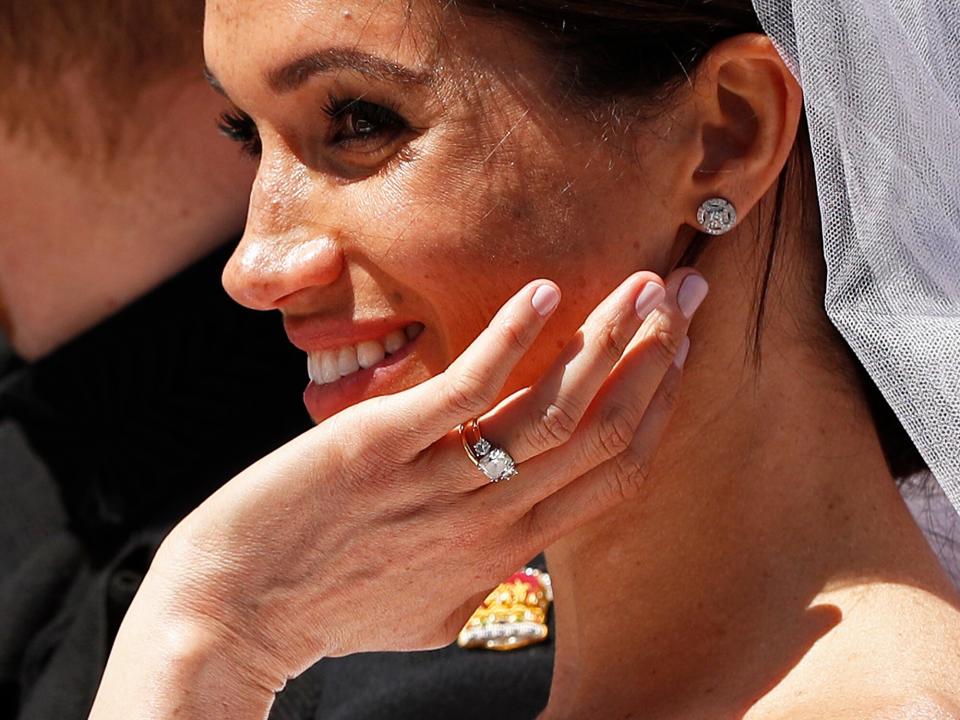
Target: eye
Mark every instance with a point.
(240, 127)
(365, 133)
(361, 126)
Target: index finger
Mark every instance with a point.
(471, 384)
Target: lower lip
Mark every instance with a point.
(324, 401)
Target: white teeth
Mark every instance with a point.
(328, 366)
(369, 353)
(394, 341)
(347, 360)
(313, 366)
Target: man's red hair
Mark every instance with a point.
(54, 52)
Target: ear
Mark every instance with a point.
(746, 110)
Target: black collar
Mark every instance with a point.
(148, 412)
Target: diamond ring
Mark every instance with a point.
(495, 462)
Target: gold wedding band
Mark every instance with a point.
(470, 436)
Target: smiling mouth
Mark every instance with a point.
(328, 366)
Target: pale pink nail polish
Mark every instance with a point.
(692, 293)
(649, 299)
(545, 299)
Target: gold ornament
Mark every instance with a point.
(513, 616)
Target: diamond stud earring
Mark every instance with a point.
(717, 216)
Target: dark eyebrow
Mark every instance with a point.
(293, 75)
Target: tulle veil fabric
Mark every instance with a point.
(881, 82)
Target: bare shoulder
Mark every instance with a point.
(895, 655)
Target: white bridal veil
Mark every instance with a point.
(881, 80)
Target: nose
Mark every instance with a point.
(264, 272)
(278, 257)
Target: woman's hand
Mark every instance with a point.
(373, 531)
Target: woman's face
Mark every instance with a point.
(421, 166)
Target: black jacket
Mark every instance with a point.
(107, 443)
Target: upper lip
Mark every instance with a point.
(313, 334)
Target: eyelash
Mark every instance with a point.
(240, 128)
(384, 122)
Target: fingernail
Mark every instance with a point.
(649, 298)
(680, 359)
(692, 292)
(545, 299)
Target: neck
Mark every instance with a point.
(83, 237)
(769, 501)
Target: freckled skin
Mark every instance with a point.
(504, 184)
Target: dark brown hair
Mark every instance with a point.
(645, 49)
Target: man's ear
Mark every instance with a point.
(746, 110)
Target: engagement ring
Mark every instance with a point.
(495, 462)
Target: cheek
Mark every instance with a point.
(459, 236)
(480, 236)
(473, 236)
